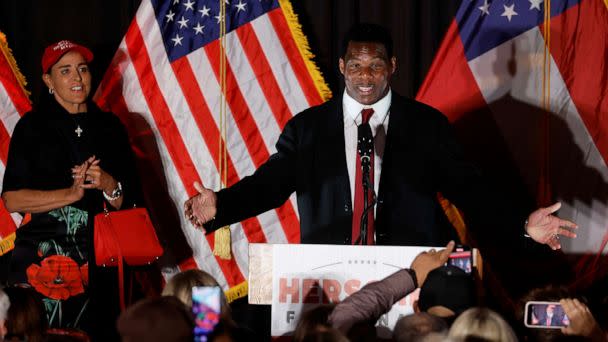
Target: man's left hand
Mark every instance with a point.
(543, 227)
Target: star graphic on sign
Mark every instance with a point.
(198, 28)
(170, 16)
(240, 6)
(485, 8)
(205, 11)
(183, 23)
(177, 40)
(189, 5)
(219, 18)
(535, 4)
(509, 12)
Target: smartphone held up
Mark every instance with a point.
(206, 309)
(545, 315)
(462, 257)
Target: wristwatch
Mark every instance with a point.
(116, 193)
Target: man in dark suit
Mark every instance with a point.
(415, 157)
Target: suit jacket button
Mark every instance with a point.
(346, 207)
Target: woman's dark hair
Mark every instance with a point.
(371, 33)
(26, 315)
(312, 320)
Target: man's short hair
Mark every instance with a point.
(371, 33)
(5, 303)
(416, 326)
(164, 319)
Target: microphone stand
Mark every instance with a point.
(365, 165)
(366, 148)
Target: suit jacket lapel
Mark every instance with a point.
(396, 125)
(338, 150)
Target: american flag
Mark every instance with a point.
(168, 71)
(540, 67)
(14, 102)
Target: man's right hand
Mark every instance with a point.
(201, 208)
(428, 261)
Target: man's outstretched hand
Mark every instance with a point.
(201, 208)
(543, 227)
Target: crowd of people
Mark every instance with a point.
(449, 308)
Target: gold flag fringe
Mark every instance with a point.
(6, 51)
(237, 291)
(304, 48)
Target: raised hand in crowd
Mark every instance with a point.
(428, 261)
(582, 322)
(544, 227)
(201, 208)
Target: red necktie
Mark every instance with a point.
(358, 205)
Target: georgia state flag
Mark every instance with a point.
(527, 83)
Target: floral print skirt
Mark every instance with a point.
(50, 255)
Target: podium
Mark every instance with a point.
(293, 278)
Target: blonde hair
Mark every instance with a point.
(482, 323)
(182, 283)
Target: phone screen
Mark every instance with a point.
(461, 259)
(547, 315)
(206, 310)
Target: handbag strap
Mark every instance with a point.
(121, 274)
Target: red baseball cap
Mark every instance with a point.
(53, 53)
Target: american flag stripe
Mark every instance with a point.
(9, 115)
(282, 71)
(207, 80)
(269, 86)
(269, 79)
(14, 102)
(307, 84)
(147, 43)
(246, 122)
(13, 95)
(126, 76)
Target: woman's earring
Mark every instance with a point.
(51, 91)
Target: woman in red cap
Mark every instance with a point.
(66, 159)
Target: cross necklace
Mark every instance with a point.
(78, 119)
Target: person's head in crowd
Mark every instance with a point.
(5, 303)
(482, 324)
(164, 319)
(65, 71)
(315, 319)
(329, 335)
(367, 62)
(26, 319)
(181, 284)
(447, 292)
(418, 325)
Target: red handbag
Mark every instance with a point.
(125, 234)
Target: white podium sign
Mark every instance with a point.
(307, 275)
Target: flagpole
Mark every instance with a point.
(222, 245)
